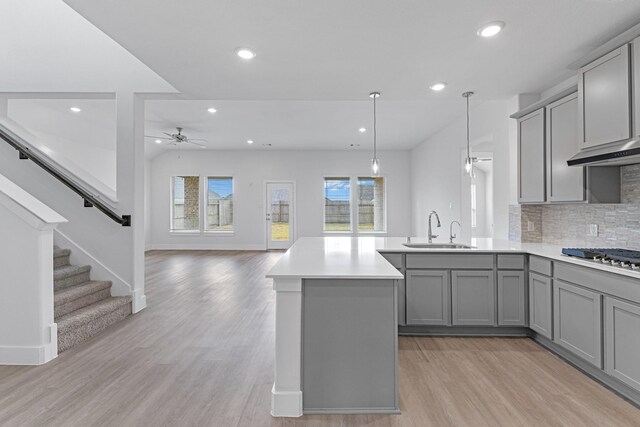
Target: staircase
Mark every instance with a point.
(82, 307)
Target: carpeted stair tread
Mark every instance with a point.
(58, 252)
(69, 270)
(72, 293)
(60, 257)
(87, 314)
(70, 275)
(84, 324)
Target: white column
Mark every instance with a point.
(130, 182)
(28, 334)
(286, 399)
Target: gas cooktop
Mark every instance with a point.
(613, 256)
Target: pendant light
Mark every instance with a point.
(375, 162)
(468, 162)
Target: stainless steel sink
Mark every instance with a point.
(437, 245)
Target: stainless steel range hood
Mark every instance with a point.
(622, 153)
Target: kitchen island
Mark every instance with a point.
(335, 297)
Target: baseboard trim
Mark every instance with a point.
(618, 387)
(205, 247)
(286, 403)
(464, 331)
(138, 301)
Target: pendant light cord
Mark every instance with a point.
(374, 128)
(468, 145)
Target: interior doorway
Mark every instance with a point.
(280, 214)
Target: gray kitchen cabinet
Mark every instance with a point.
(428, 297)
(531, 158)
(604, 90)
(622, 341)
(578, 321)
(397, 260)
(541, 304)
(473, 295)
(511, 298)
(636, 84)
(564, 183)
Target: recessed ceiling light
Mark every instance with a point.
(362, 130)
(245, 53)
(491, 29)
(211, 110)
(75, 109)
(202, 146)
(438, 86)
(249, 141)
(158, 141)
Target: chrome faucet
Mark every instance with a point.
(451, 235)
(431, 235)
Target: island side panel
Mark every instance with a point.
(286, 399)
(349, 346)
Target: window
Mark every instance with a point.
(337, 204)
(371, 204)
(219, 204)
(185, 203)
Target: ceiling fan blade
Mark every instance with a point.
(197, 139)
(168, 134)
(157, 137)
(194, 143)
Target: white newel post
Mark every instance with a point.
(28, 334)
(286, 400)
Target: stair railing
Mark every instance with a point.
(90, 200)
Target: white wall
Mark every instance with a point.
(437, 178)
(251, 169)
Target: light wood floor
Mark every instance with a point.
(201, 354)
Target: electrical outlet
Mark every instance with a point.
(593, 230)
(531, 226)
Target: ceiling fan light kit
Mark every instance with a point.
(178, 138)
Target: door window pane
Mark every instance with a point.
(337, 204)
(219, 204)
(371, 204)
(280, 226)
(185, 206)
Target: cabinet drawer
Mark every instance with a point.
(540, 265)
(394, 259)
(601, 281)
(511, 262)
(450, 261)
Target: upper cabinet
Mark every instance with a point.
(604, 91)
(564, 183)
(531, 163)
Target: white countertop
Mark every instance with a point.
(359, 257)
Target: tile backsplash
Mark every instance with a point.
(568, 224)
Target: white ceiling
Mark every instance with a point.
(94, 126)
(46, 46)
(337, 51)
(323, 125)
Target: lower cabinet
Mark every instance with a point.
(511, 298)
(428, 297)
(541, 304)
(578, 321)
(622, 341)
(473, 297)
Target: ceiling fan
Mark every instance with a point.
(179, 138)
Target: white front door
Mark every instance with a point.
(280, 210)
